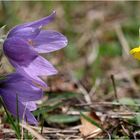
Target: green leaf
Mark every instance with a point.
(57, 97)
(62, 118)
(137, 118)
(11, 120)
(46, 109)
(127, 101)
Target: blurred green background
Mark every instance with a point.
(100, 36)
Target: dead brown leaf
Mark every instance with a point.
(88, 129)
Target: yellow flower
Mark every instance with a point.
(136, 52)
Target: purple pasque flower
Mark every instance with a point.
(25, 41)
(26, 60)
(15, 86)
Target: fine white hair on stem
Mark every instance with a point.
(22, 131)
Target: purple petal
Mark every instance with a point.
(36, 80)
(26, 33)
(11, 105)
(19, 51)
(42, 22)
(36, 24)
(40, 67)
(30, 105)
(49, 41)
(22, 87)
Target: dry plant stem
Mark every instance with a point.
(73, 138)
(114, 87)
(125, 130)
(33, 132)
(95, 86)
(109, 136)
(129, 74)
(120, 115)
(61, 131)
(81, 89)
(115, 90)
(129, 123)
(94, 50)
(42, 124)
(85, 93)
(122, 40)
(110, 114)
(22, 129)
(116, 115)
(54, 130)
(96, 104)
(22, 133)
(135, 134)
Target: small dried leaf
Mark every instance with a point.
(88, 129)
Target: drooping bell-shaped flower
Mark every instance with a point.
(26, 60)
(18, 91)
(25, 42)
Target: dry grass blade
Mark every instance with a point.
(32, 131)
(81, 88)
(122, 40)
(94, 50)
